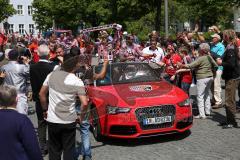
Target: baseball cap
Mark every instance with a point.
(216, 36)
(13, 55)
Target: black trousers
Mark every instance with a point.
(42, 126)
(61, 138)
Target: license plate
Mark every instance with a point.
(157, 120)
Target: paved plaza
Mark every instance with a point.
(205, 141)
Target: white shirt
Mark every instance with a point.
(158, 51)
(63, 88)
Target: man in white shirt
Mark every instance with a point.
(153, 53)
(63, 86)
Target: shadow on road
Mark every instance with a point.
(147, 141)
(218, 117)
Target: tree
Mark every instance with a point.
(6, 10)
(43, 15)
(210, 12)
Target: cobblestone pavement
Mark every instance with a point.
(205, 141)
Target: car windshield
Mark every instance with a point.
(122, 73)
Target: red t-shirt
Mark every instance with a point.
(171, 63)
(2, 39)
(238, 42)
(186, 77)
(33, 48)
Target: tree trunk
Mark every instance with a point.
(158, 4)
(114, 6)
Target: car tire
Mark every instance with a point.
(96, 127)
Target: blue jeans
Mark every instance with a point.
(84, 131)
(167, 78)
(185, 87)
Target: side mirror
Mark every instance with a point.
(94, 83)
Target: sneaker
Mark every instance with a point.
(199, 117)
(228, 126)
(208, 115)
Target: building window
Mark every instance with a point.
(21, 28)
(19, 9)
(30, 10)
(31, 28)
(11, 28)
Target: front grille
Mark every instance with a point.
(155, 111)
(123, 130)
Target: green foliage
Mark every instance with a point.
(6, 10)
(210, 12)
(43, 14)
(137, 16)
(141, 27)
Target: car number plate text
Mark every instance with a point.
(157, 120)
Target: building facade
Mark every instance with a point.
(22, 22)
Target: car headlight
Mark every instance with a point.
(185, 103)
(117, 110)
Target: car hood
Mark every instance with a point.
(147, 93)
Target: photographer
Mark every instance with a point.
(17, 76)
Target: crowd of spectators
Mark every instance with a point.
(53, 70)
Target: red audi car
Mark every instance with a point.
(133, 101)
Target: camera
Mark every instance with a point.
(23, 52)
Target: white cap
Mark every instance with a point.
(125, 33)
(216, 36)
